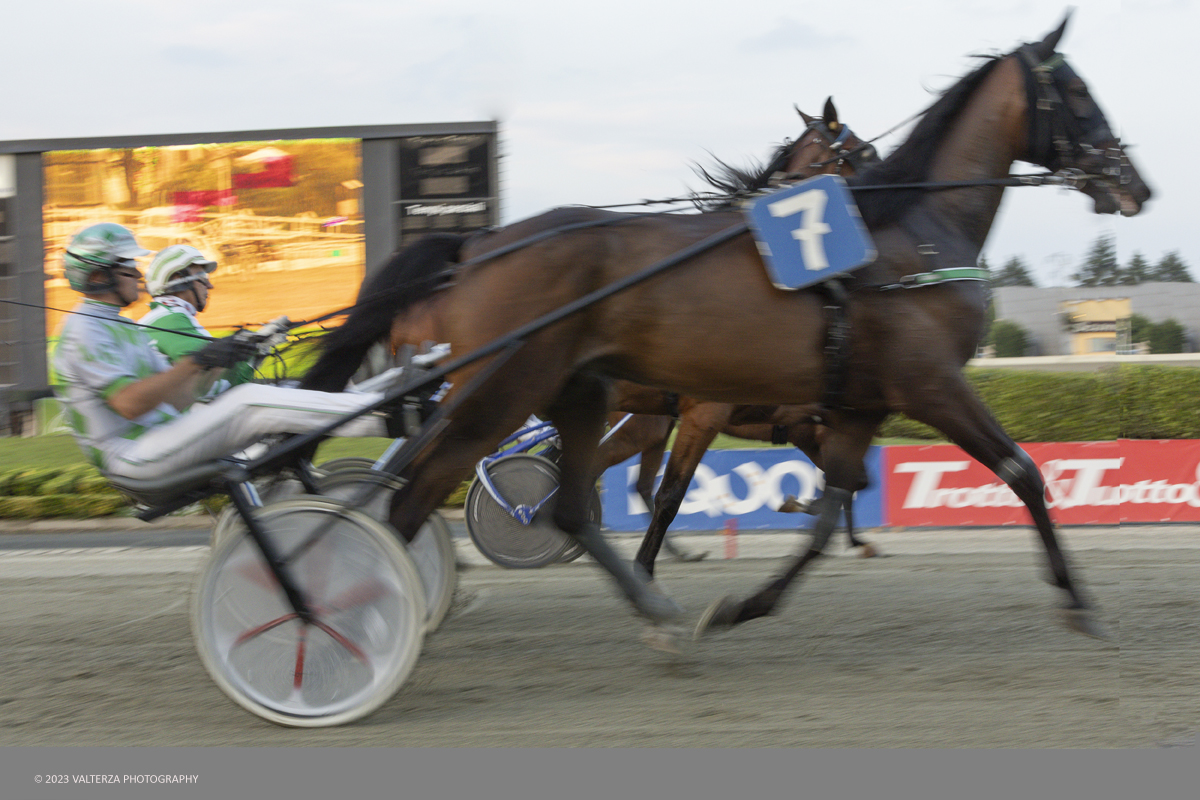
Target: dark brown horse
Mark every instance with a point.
(700, 421)
(825, 146)
(716, 328)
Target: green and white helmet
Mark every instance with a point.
(97, 247)
(170, 261)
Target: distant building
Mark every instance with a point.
(1076, 320)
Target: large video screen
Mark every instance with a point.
(282, 219)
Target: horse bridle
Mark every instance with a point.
(1059, 135)
(835, 139)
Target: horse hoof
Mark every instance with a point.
(868, 551)
(666, 639)
(721, 614)
(791, 505)
(657, 606)
(1081, 621)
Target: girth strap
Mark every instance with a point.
(837, 344)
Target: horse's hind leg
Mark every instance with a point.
(842, 452)
(652, 458)
(807, 440)
(698, 427)
(578, 414)
(956, 411)
(868, 549)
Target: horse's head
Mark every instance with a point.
(827, 146)
(1068, 131)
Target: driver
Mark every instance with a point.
(177, 280)
(128, 407)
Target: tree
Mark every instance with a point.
(1101, 267)
(1166, 337)
(1171, 269)
(1136, 271)
(1008, 338)
(1013, 273)
(1139, 329)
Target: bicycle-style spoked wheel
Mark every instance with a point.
(369, 621)
(432, 549)
(521, 479)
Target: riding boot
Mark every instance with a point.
(631, 577)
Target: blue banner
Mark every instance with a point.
(745, 485)
(809, 232)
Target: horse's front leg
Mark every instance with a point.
(578, 414)
(955, 410)
(842, 452)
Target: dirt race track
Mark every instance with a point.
(939, 645)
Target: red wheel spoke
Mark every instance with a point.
(259, 574)
(298, 676)
(344, 642)
(266, 626)
(364, 592)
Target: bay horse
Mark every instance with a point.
(825, 146)
(698, 328)
(700, 421)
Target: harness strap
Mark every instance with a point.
(837, 344)
(939, 276)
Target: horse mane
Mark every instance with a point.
(910, 162)
(411, 274)
(737, 181)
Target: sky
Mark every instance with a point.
(615, 102)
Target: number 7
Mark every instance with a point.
(812, 227)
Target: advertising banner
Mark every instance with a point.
(1160, 480)
(1087, 483)
(744, 485)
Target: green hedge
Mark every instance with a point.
(1131, 402)
(77, 491)
(1160, 403)
(81, 492)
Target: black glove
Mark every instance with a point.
(227, 352)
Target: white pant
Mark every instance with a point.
(235, 420)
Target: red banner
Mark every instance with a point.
(204, 197)
(1087, 483)
(1160, 481)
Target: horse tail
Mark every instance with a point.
(411, 274)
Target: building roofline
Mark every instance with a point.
(18, 146)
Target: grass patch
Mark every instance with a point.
(60, 450)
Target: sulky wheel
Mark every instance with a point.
(369, 616)
(432, 549)
(339, 464)
(271, 489)
(520, 479)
